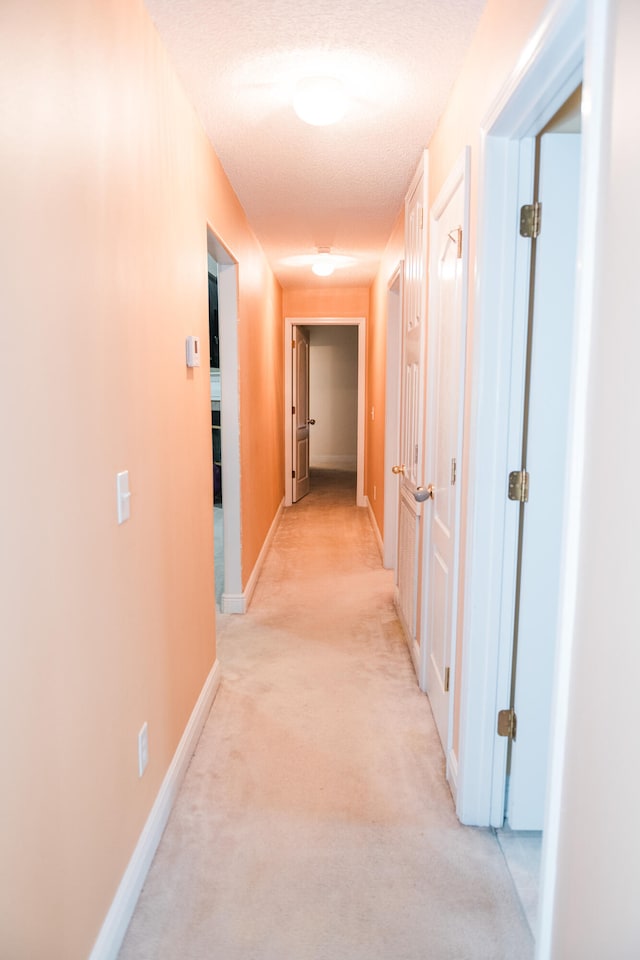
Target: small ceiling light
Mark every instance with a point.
(320, 100)
(324, 264)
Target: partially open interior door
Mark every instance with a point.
(300, 414)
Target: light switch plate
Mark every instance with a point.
(124, 496)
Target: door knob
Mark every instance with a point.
(311, 422)
(399, 468)
(422, 493)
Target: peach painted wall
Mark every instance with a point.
(376, 371)
(108, 183)
(326, 302)
(261, 367)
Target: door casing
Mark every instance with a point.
(289, 324)
(233, 600)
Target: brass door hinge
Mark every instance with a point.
(293, 474)
(507, 724)
(519, 486)
(530, 220)
(454, 471)
(447, 674)
(293, 344)
(293, 409)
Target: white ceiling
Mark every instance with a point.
(305, 187)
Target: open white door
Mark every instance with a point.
(412, 408)
(445, 378)
(300, 414)
(551, 340)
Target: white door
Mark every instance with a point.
(551, 341)
(410, 465)
(445, 377)
(300, 414)
(392, 421)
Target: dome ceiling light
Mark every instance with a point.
(324, 264)
(320, 101)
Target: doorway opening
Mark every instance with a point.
(225, 423)
(334, 380)
(216, 427)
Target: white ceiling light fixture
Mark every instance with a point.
(324, 264)
(320, 101)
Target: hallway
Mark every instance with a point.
(314, 821)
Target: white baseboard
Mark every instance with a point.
(255, 573)
(119, 916)
(412, 645)
(374, 525)
(452, 775)
(334, 462)
(233, 603)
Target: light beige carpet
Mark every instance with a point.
(315, 822)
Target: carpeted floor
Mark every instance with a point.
(314, 822)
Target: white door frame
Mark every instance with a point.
(571, 44)
(393, 372)
(289, 324)
(233, 600)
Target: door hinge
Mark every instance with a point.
(530, 220)
(507, 724)
(293, 344)
(293, 474)
(293, 409)
(447, 672)
(519, 486)
(454, 471)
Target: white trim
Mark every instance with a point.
(289, 324)
(335, 462)
(239, 602)
(124, 903)
(412, 643)
(452, 774)
(374, 527)
(595, 136)
(547, 72)
(233, 603)
(227, 269)
(230, 425)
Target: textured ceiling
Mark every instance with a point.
(306, 187)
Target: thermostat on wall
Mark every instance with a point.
(193, 351)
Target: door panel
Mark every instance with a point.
(548, 411)
(412, 406)
(301, 413)
(447, 326)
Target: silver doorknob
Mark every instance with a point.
(311, 422)
(424, 493)
(399, 468)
